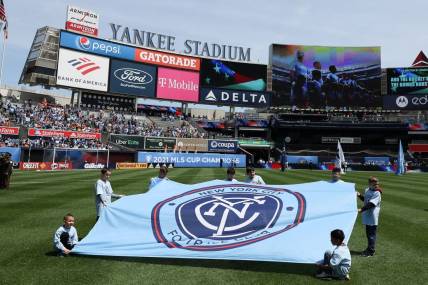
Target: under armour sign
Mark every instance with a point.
(235, 97)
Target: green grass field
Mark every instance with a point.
(33, 209)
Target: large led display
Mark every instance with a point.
(407, 81)
(318, 76)
(233, 75)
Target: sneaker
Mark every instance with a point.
(347, 278)
(322, 275)
(367, 254)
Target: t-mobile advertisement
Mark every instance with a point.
(177, 85)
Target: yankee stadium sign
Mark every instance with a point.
(167, 43)
(228, 216)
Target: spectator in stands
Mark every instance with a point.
(370, 213)
(163, 171)
(336, 263)
(104, 192)
(252, 178)
(335, 175)
(231, 175)
(65, 237)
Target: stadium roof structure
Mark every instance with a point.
(421, 60)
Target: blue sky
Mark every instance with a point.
(398, 27)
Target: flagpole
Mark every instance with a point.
(2, 60)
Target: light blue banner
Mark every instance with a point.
(193, 159)
(222, 220)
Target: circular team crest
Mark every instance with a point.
(226, 216)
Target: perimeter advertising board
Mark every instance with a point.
(159, 143)
(13, 131)
(319, 76)
(222, 145)
(82, 21)
(81, 70)
(134, 142)
(193, 159)
(192, 144)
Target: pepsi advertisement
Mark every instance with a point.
(132, 78)
(96, 46)
(222, 145)
(193, 159)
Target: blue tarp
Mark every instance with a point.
(220, 220)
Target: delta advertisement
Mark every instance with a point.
(233, 75)
(407, 81)
(82, 70)
(82, 21)
(63, 134)
(132, 78)
(222, 145)
(235, 98)
(177, 85)
(320, 76)
(193, 159)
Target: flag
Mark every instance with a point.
(3, 18)
(340, 157)
(223, 220)
(400, 161)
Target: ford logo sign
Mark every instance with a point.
(133, 76)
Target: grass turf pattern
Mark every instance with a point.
(33, 209)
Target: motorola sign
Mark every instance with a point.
(222, 145)
(235, 97)
(409, 102)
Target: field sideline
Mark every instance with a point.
(33, 210)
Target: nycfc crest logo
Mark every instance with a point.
(226, 216)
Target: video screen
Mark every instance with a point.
(233, 75)
(407, 81)
(319, 76)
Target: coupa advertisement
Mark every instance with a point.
(222, 145)
(193, 159)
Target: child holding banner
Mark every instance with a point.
(65, 237)
(336, 263)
